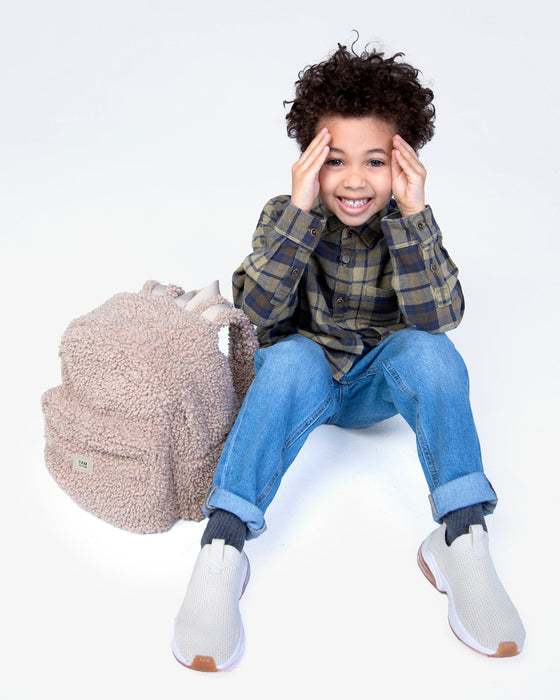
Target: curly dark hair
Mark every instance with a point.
(350, 85)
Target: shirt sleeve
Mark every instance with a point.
(425, 278)
(265, 284)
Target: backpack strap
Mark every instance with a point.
(210, 305)
(243, 343)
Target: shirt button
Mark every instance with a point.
(345, 259)
(433, 267)
(295, 272)
(313, 231)
(339, 301)
(420, 225)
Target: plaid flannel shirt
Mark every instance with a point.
(346, 288)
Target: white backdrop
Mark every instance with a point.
(139, 140)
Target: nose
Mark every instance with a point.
(354, 179)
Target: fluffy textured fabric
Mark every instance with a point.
(147, 399)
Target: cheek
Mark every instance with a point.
(387, 184)
(325, 183)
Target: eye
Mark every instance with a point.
(334, 162)
(376, 163)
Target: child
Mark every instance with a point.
(351, 292)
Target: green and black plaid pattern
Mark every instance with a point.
(346, 288)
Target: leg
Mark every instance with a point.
(422, 377)
(290, 396)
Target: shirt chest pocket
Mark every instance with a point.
(373, 306)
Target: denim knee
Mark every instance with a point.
(437, 363)
(289, 397)
(290, 362)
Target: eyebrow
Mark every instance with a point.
(368, 152)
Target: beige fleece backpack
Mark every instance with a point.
(135, 430)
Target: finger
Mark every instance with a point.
(316, 144)
(410, 164)
(315, 148)
(396, 169)
(310, 168)
(403, 145)
(407, 153)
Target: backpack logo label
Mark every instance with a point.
(82, 464)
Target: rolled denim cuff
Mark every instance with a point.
(251, 515)
(465, 491)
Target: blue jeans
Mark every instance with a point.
(414, 373)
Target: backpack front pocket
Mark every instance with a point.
(117, 468)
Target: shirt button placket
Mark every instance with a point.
(341, 289)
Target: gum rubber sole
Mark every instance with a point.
(201, 663)
(207, 664)
(505, 649)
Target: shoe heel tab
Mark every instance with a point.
(476, 530)
(479, 540)
(216, 555)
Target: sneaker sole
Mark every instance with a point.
(432, 572)
(207, 664)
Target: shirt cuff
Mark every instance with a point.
(401, 231)
(300, 226)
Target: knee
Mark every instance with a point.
(294, 361)
(435, 359)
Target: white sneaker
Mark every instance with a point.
(480, 611)
(208, 632)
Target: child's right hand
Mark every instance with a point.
(305, 171)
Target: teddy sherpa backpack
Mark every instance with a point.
(135, 430)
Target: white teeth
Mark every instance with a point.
(355, 203)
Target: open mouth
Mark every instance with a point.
(355, 205)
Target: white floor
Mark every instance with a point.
(139, 141)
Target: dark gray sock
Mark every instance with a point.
(458, 521)
(223, 525)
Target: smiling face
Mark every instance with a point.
(355, 180)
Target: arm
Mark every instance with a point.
(424, 276)
(265, 285)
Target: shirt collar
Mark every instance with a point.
(369, 232)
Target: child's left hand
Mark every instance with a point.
(408, 176)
